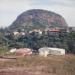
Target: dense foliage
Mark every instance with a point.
(35, 40)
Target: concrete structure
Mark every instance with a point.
(36, 31)
(13, 50)
(23, 51)
(45, 51)
(15, 33)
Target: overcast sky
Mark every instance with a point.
(10, 9)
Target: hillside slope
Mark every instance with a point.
(37, 18)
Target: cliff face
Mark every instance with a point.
(39, 19)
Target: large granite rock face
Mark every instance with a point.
(38, 19)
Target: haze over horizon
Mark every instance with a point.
(10, 9)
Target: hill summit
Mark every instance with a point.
(38, 19)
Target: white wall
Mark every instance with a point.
(47, 50)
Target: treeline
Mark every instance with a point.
(35, 40)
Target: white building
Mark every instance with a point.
(13, 50)
(37, 31)
(45, 51)
(22, 33)
(15, 33)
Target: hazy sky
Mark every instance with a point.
(10, 9)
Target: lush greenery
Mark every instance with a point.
(35, 40)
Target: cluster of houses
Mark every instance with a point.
(54, 30)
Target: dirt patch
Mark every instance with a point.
(21, 71)
(6, 58)
(36, 65)
(1, 59)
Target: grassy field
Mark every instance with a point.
(51, 65)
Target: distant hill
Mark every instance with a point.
(37, 19)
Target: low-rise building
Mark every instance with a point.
(13, 50)
(45, 51)
(36, 30)
(23, 51)
(15, 33)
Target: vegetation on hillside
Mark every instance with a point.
(35, 41)
(37, 18)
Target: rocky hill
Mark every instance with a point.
(37, 19)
